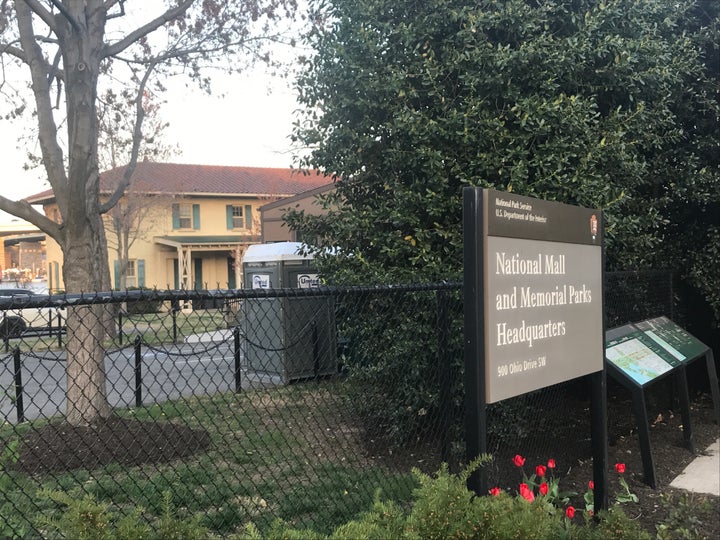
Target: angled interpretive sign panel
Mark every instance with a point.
(673, 339)
(636, 356)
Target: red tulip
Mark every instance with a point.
(526, 493)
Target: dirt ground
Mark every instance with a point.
(696, 513)
(689, 515)
(60, 447)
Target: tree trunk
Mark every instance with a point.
(85, 266)
(84, 270)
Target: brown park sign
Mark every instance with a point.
(539, 279)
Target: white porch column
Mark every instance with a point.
(185, 273)
(184, 267)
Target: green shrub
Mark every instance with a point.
(444, 509)
(392, 363)
(80, 517)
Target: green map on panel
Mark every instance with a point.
(638, 359)
(673, 339)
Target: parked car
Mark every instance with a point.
(14, 322)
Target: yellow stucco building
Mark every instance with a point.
(187, 226)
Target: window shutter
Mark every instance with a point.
(196, 216)
(141, 272)
(229, 216)
(248, 216)
(176, 216)
(116, 264)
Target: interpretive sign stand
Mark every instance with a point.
(533, 310)
(637, 355)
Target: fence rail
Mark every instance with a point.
(295, 403)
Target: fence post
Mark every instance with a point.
(174, 309)
(236, 354)
(443, 366)
(138, 371)
(120, 326)
(60, 332)
(18, 386)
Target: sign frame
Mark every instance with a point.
(491, 214)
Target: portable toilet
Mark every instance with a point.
(278, 266)
(292, 337)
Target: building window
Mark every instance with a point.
(186, 216)
(131, 274)
(134, 275)
(237, 217)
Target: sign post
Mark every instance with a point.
(533, 309)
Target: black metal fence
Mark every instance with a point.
(292, 404)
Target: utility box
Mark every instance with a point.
(289, 337)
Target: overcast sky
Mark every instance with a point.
(246, 127)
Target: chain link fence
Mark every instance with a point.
(251, 405)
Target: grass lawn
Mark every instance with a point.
(291, 452)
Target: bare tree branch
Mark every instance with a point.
(40, 11)
(137, 139)
(24, 210)
(115, 48)
(65, 13)
(13, 51)
(51, 151)
(110, 4)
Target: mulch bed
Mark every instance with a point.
(698, 513)
(61, 447)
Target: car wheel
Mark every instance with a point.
(12, 327)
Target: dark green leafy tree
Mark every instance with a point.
(607, 104)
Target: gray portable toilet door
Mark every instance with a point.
(262, 278)
(303, 278)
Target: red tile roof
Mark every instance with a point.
(212, 180)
